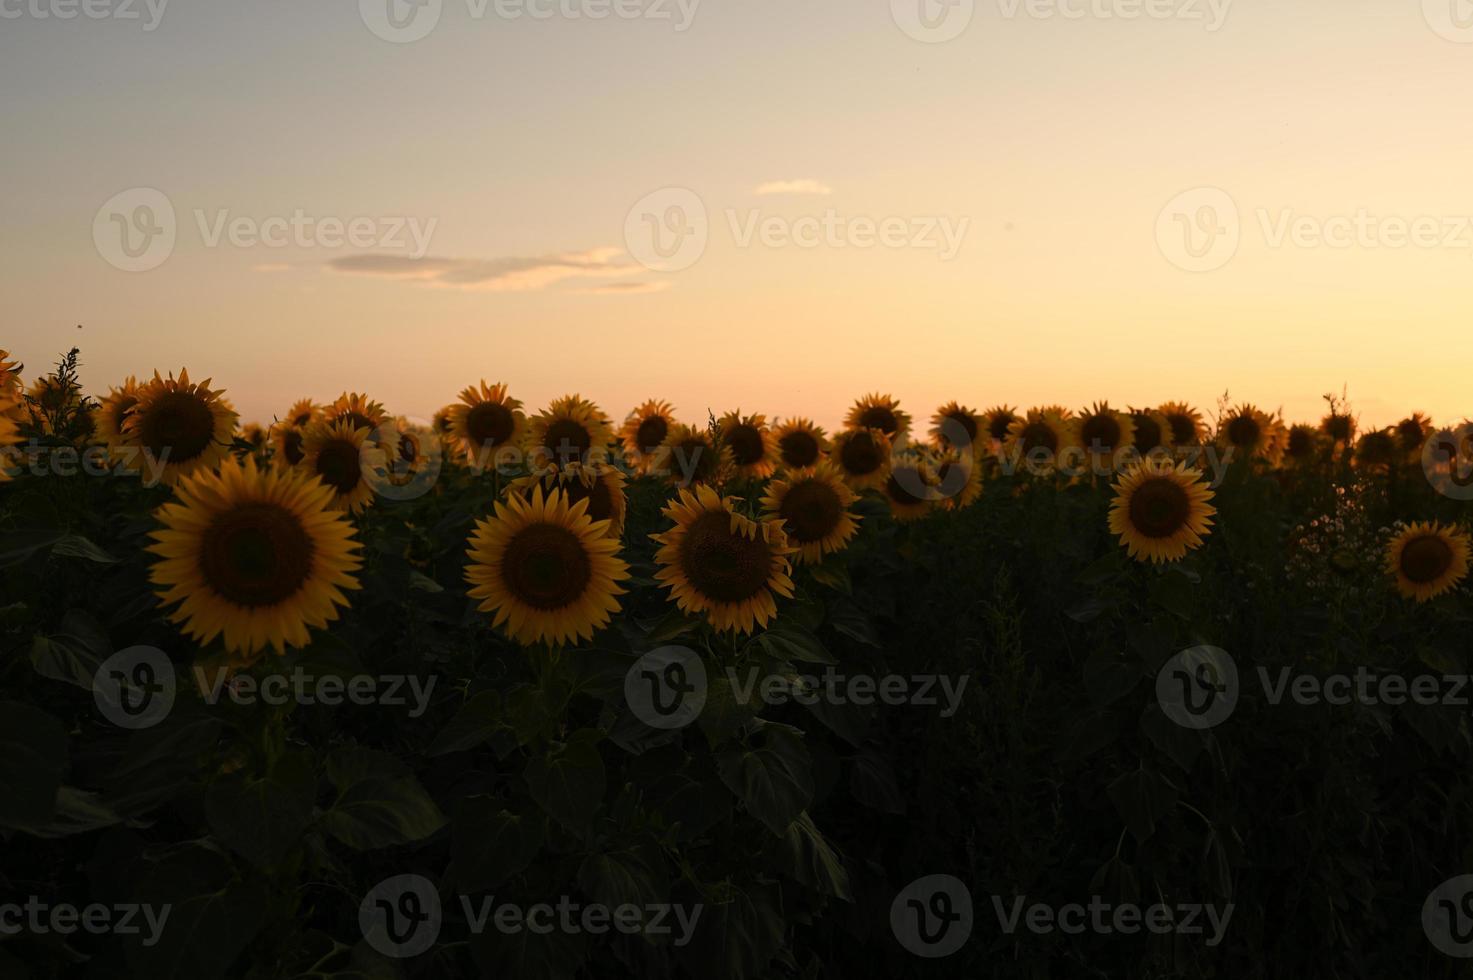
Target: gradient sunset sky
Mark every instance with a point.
(1077, 154)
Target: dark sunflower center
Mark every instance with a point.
(746, 444)
(1243, 431)
(357, 419)
(1039, 435)
(1147, 433)
(489, 424)
(443, 424)
(408, 448)
(1338, 426)
(1001, 422)
(1301, 443)
(1426, 559)
(1183, 429)
(723, 565)
(1159, 507)
(291, 446)
(546, 566)
(179, 422)
(902, 484)
(256, 555)
(301, 418)
(697, 457)
(798, 449)
(861, 454)
(811, 510)
(651, 432)
(1101, 433)
(879, 417)
(337, 465)
(967, 422)
(568, 440)
(600, 499)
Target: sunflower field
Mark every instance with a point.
(550, 693)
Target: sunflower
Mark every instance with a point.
(1339, 426)
(1151, 432)
(958, 479)
(1376, 450)
(877, 411)
(548, 571)
(571, 428)
(303, 413)
(9, 432)
(951, 422)
(1104, 431)
(254, 436)
(753, 449)
(484, 421)
(644, 430)
(1301, 443)
(800, 443)
(10, 386)
(401, 453)
(184, 425)
(863, 456)
(690, 455)
(1412, 431)
(910, 488)
(1187, 427)
(717, 562)
(286, 443)
(357, 410)
(1039, 438)
(1252, 433)
(600, 484)
(1161, 510)
(334, 453)
(1427, 559)
(256, 555)
(813, 506)
(996, 422)
(113, 412)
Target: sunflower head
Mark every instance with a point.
(1412, 431)
(955, 426)
(599, 484)
(485, 420)
(692, 456)
(1187, 427)
(877, 411)
(1427, 559)
(1102, 430)
(863, 457)
(286, 446)
(1251, 433)
(1150, 431)
(1301, 443)
(571, 429)
(800, 443)
(1339, 427)
(254, 436)
(996, 422)
(357, 410)
(254, 556)
(753, 449)
(9, 376)
(721, 564)
(545, 570)
(334, 452)
(910, 488)
(113, 412)
(1161, 510)
(303, 413)
(958, 479)
(183, 424)
(644, 430)
(1039, 438)
(813, 506)
(1377, 449)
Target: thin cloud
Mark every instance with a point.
(509, 274)
(793, 187)
(627, 288)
